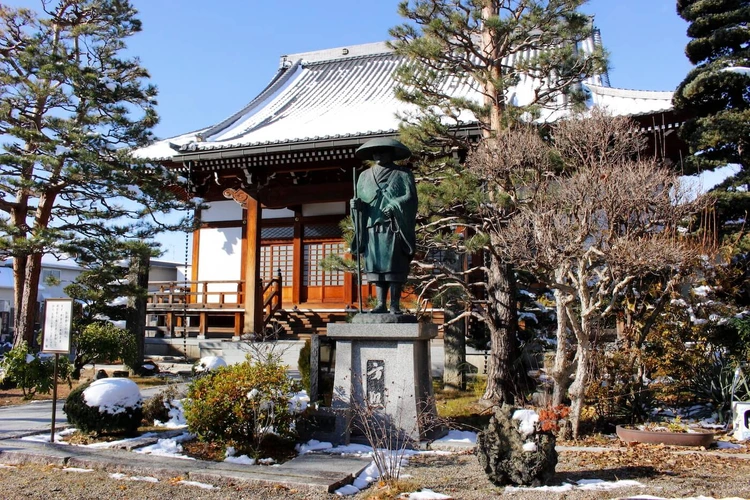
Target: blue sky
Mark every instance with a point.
(210, 58)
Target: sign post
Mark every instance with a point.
(58, 318)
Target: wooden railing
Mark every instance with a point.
(271, 294)
(176, 295)
(172, 299)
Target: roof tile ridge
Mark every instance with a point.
(606, 88)
(349, 58)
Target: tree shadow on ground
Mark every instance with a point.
(605, 474)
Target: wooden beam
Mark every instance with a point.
(311, 193)
(253, 295)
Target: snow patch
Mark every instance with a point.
(76, 469)
(168, 447)
(529, 446)
(312, 445)
(124, 477)
(113, 395)
(176, 416)
(197, 484)
(209, 363)
(426, 495)
(242, 460)
(527, 418)
(459, 437)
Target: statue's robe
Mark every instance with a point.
(387, 243)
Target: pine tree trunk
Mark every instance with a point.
(27, 303)
(454, 346)
(501, 317)
(138, 276)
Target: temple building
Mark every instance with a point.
(277, 176)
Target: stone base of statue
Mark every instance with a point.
(382, 380)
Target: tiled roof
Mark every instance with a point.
(349, 92)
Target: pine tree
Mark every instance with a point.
(715, 96)
(492, 45)
(71, 107)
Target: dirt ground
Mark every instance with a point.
(663, 472)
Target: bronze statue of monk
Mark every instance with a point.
(384, 211)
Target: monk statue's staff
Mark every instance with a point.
(357, 216)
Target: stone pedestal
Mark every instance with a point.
(384, 367)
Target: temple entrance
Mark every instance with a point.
(318, 285)
(275, 257)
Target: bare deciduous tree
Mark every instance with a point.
(609, 218)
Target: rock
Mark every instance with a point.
(100, 374)
(121, 374)
(511, 457)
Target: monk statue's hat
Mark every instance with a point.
(382, 145)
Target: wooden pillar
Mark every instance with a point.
(202, 325)
(253, 294)
(297, 258)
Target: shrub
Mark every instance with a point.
(32, 373)
(107, 405)
(102, 342)
(303, 364)
(240, 405)
(160, 405)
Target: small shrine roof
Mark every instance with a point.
(348, 92)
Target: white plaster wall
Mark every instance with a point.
(276, 213)
(331, 208)
(221, 211)
(220, 258)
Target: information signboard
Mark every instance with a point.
(58, 316)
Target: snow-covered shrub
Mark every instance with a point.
(105, 405)
(240, 405)
(159, 407)
(31, 372)
(208, 364)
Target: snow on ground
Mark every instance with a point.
(700, 497)
(197, 484)
(242, 459)
(425, 495)
(583, 484)
(44, 438)
(125, 477)
(168, 447)
(76, 469)
(459, 437)
(726, 445)
(312, 445)
(113, 395)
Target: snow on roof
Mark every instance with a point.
(349, 92)
(166, 149)
(629, 102)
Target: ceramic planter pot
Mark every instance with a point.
(701, 438)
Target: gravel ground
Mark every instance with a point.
(664, 473)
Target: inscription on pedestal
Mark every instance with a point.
(376, 382)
